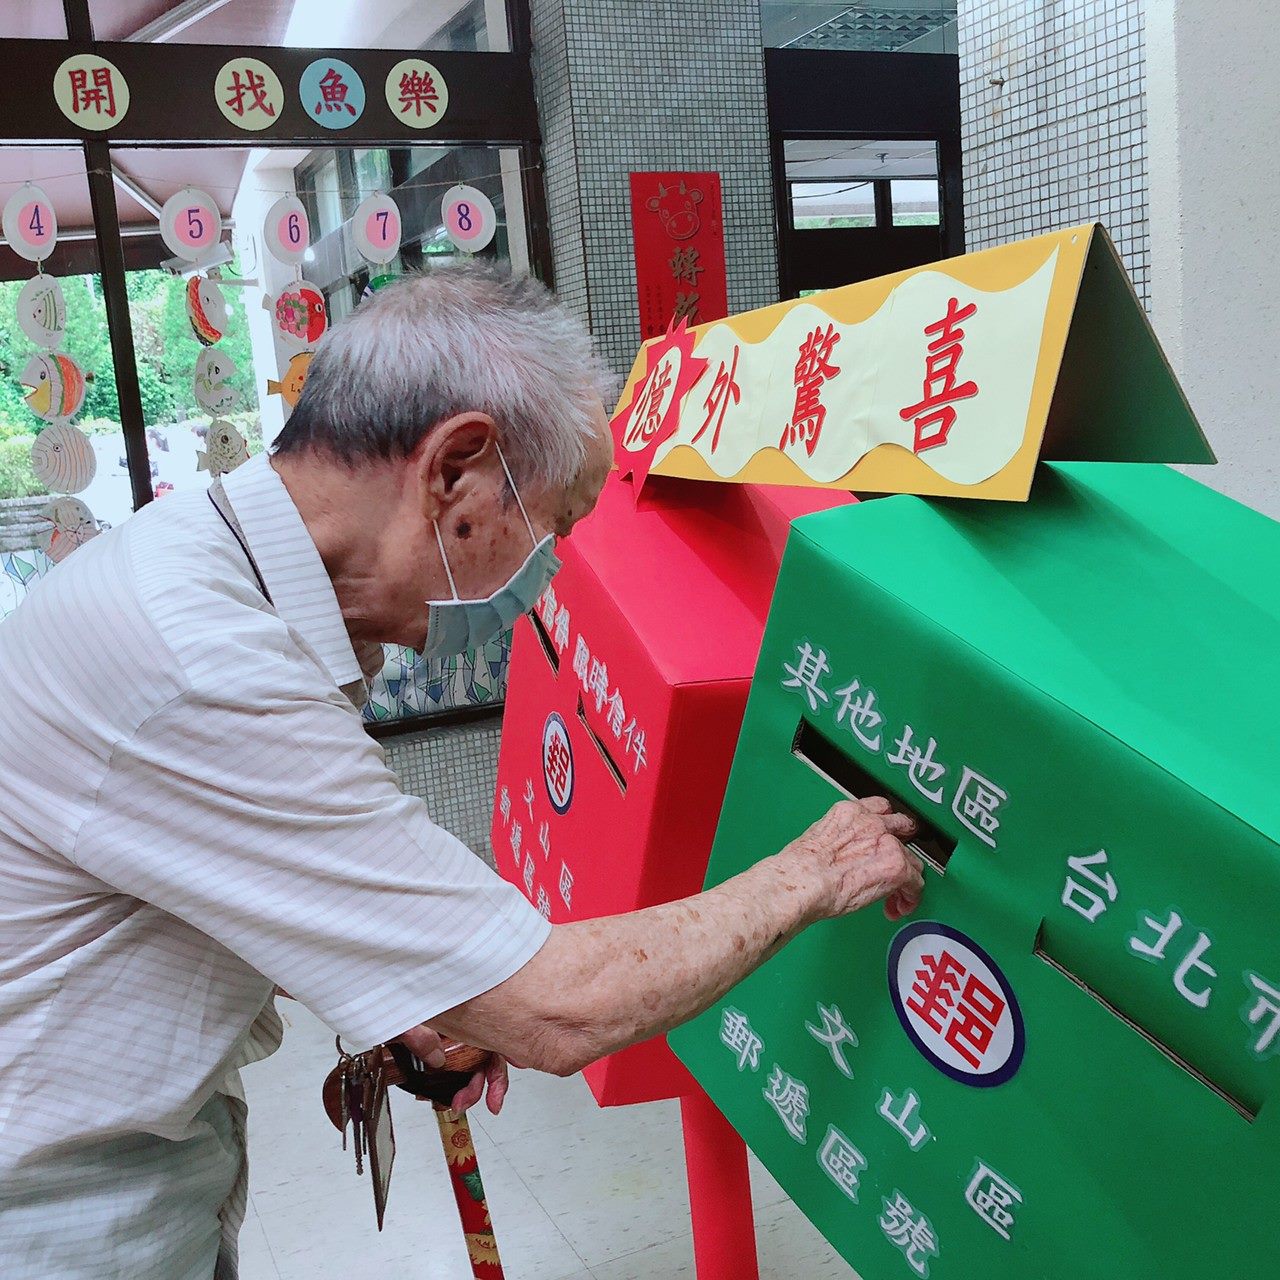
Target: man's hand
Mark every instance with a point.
(600, 985)
(857, 853)
(428, 1045)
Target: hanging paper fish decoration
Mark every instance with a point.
(63, 459)
(206, 309)
(301, 315)
(224, 449)
(213, 368)
(42, 311)
(69, 524)
(289, 388)
(55, 386)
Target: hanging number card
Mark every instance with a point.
(191, 224)
(375, 228)
(287, 231)
(30, 224)
(470, 220)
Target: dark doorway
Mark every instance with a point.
(866, 155)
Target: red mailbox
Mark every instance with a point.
(626, 695)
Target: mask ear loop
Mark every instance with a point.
(528, 524)
(444, 559)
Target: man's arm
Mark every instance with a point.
(598, 986)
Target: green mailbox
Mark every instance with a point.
(1066, 1064)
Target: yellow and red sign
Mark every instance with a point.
(946, 380)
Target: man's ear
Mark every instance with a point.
(453, 457)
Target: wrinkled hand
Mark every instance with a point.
(429, 1046)
(856, 850)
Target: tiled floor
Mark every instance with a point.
(576, 1193)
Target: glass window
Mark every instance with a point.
(307, 24)
(921, 26)
(43, 377)
(819, 205)
(915, 202)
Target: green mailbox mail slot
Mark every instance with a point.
(1066, 1064)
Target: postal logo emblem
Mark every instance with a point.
(557, 762)
(955, 1004)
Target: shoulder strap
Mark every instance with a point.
(222, 505)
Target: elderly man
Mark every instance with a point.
(191, 814)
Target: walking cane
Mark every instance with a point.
(355, 1094)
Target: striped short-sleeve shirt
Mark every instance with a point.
(191, 814)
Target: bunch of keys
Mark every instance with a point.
(362, 1106)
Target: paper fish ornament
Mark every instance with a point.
(224, 449)
(63, 459)
(55, 386)
(206, 309)
(213, 368)
(289, 388)
(42, 311)
(68, 524)
(301, 315)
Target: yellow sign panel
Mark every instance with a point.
(950, 379)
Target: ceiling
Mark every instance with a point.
(827, 159)
(862, 26)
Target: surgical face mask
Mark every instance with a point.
(454, 626)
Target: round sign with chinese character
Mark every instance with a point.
(30, 224)
(249, 94)
(654, 402)
(955, 1004)
(91, 92)
(375, 228)
(191, 224)
(287, 230)
(557, 762)
(332, 93)
(417, 94)
(469, 218)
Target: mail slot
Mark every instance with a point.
(1066, 1063)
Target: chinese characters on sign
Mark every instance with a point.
(724, 391)
(813, 370)
(678, 233)
(91, 92)
(417, 93)
(332, 93)
(249, 94)
(736, 1035)
(909, 1231)
(935, 414)
(977, 800)
(955, 1004)
(969, 1012)
(599, 692)
(993, 1199)
(989, 1194)
(1090, 890)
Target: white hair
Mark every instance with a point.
(454, 340)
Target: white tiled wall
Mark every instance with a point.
(1053, 114)
(662, 85)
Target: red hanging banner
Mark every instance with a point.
(678, 229)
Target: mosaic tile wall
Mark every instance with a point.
(455, 770)
(628, 87)
(1053, 114)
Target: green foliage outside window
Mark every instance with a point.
(166, 352)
